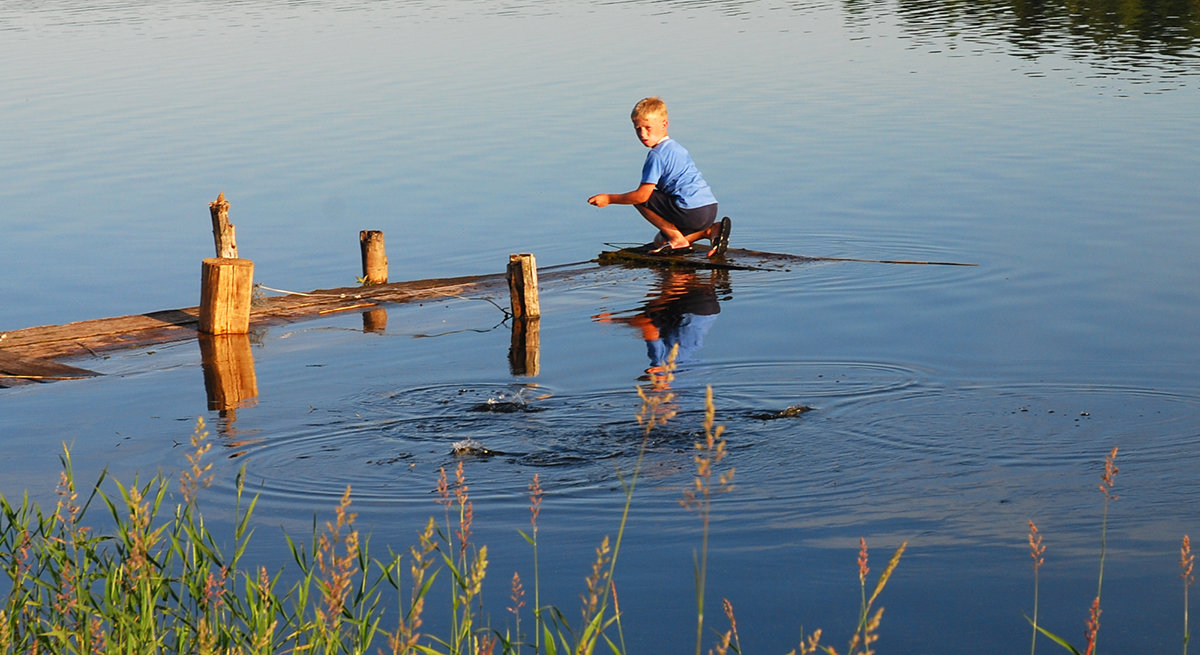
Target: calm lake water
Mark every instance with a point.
(1057, 148)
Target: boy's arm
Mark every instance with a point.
(635, 197)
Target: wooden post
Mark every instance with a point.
(524, 355)
(228, 364)
(223, 232)
(523, 286)
(225, 291)
(374, 257)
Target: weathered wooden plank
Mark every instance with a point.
(89, 338)
(84, 338)
(16, 370)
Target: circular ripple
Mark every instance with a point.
(972, 459)
(882, 443)
(763, 386)
(389, 446)
(1033, 424)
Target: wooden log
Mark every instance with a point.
(225, 290)
(228, 364)
(523, 286)
(374, 257)
(524, 355)
(223, 232)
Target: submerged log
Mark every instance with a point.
(740, 259)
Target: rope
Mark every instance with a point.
(299, 293)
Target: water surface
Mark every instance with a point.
(1056, 149)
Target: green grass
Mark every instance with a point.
(157, 580)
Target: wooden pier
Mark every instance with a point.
(29, 355)
(226, 307)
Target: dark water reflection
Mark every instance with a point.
(1112, 36)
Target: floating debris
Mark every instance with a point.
(790, 412)
(506, 402)
(471, 447)
(390, 460)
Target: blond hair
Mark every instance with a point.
(652, 107)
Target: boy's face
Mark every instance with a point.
(650, 130)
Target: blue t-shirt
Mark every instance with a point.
(670, 168)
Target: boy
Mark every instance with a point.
(673, 195)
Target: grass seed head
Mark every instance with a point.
(1036, 549)
(1186, 560)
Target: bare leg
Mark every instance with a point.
(676, 238)
(709, 233)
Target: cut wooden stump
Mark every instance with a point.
(523, 286)
(226, 287)
(374, 257)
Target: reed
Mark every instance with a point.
(1186, 561)
(1092, 622)
(1038, 552)
(1091, 631)
(535, 509)
(698, 497)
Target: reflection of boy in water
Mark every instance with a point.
(681, 314)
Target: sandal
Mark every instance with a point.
(720, 243)
(666, 249)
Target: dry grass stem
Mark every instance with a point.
(1092, 628)
(1186, 561)
(1037, 551)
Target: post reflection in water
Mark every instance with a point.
(229, 378)
(525, 352)
(680, 310)
(375, 320)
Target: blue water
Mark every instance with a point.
(1058, 151)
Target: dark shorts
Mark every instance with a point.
(687, 220)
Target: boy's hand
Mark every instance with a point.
(599, 200)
